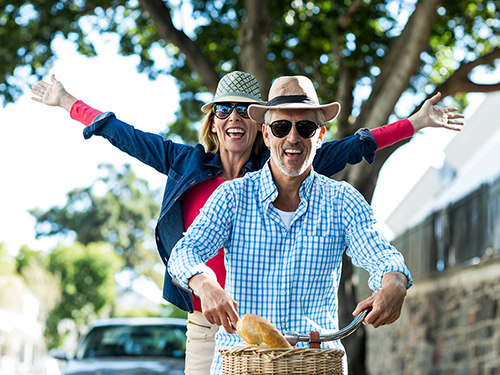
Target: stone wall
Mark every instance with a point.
(450, 325)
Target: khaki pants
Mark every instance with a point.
(200, 345)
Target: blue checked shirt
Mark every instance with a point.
(288, 275)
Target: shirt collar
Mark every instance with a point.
(214, 162)
(269, 192)
(250, 165)
(307, 185)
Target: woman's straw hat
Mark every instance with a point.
(238, 87)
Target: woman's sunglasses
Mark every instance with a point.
(305, 128)
(223, 110)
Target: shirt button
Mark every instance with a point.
(283, 293)
(285, 261)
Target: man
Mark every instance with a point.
(284, 230)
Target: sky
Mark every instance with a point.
(43, 154)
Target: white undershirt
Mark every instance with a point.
(286, 217)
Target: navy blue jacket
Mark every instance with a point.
(187, 166)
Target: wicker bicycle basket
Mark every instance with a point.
(255, 361)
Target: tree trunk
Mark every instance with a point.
(355, 344)
(399, 65)
(346, 99)
(253, 32)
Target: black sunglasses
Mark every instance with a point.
(223, 110)
(305, 128)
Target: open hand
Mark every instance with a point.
(431, 116)
(52, 94)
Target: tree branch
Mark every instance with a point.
(160, 13)
(345, 21)
(459, 81)
(489, 58)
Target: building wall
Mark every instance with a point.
(450, 324)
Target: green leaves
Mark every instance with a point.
(86, 276)
(112, 222)
(118, 209)
(464, 30)
(341, 45)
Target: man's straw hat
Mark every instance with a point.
(293, 92)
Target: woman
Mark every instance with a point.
(231, 146)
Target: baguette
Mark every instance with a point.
(260, 332)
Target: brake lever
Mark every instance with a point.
(177, 283)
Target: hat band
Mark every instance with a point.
(291, 99)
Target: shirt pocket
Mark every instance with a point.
(177, 177)
(317, 256)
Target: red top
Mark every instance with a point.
(192, 200)
(389, 134)
(83, 113)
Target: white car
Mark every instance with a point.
(130, 346)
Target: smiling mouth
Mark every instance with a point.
(292, 152)
(235, 133)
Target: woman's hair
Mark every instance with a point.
(210, 141)
(208, 138)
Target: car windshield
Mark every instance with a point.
(123, 340)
